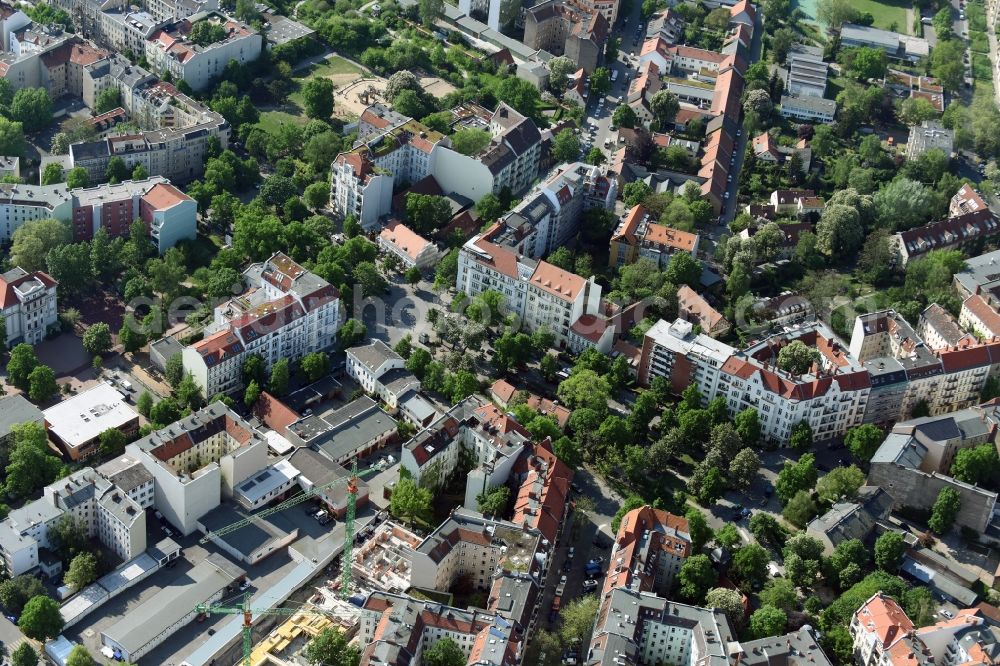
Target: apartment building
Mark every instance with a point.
(676, 352)
(99, 507)
(127, 31)
(940, 331)
(955, 232)
(475, 429)
(287, 312)
(649, 550)
(550, 215)
(396, 629)
(966, 200)
(572, 28)
(808, 109)
(851, 520)
(912, 463)
(467, 545)
(979, 315)
(198, 460)
(28, 305)
(395, 149)
(24, 203)
(639, 235)
(692, 307)
(382, 372)
(75, 424)
(538, 292)
(929, 135)
(412, 249)
(128, 474)
(542, 500)
(170, 215)
(170, 49)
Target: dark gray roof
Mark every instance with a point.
(15, 410)
(354, 425)
(797, 648)
(250, 538)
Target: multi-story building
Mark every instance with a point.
(15, 410)
(396, 629)
(979, 315)
(638, 235)
(541, 294)
(287, 312)
(929, 135)
(28, 305)
(896, 46)
(25, 203)
(128, 475)
(648, 552)
(806, 71)
(542, 499)
(170, 215)
(171, 49)
(572, 28)
(674, 351)
(127, 31)
(467, 545)
(472, 433)
(76, 424)
(939, 330)
(198, 460)
(913, 462)
(355, 430)
(966, 200)
(692, 307)
(981, 274)
(412, 249)
(549, 216)
(397, 149)
(808, 109)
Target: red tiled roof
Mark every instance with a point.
(8, 297)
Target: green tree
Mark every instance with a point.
(600, 81)
(566, 146)
(863, 441)
(890, 547)
(205, 32)
(52, 174)
(331, 647)
(97, 339)
(11, 138)
(696, 578)
(942, 23)
(797, 358)
(493, 501)
(41, 619)
(31, 107)
(24, 655)
(107, 100)
(635, 193)
(427, 212)
(749, 565)
(779, 593)
(801, 438)
(430, 11)
(351, 333)
(317, 93)
(768, 621)
(840, 484)
(410, 501)
(800, 509)
(979, 465)
(945, 510)
(315, 365)
(946, 64)
(578, 619)
(470, 141)
(748, 426)
(904, 203)
(698, 528)
(116, 171)
(280, 378)
(112, 442)
(624, 116)
(20, 364)
(664, 106)
(839, 233)
(33, 240)
(317, 195)
(834, 13)
(42, 383)
(82, 571)
(77, 177)
(252, 393)
(683, 269)
(444, 652)
(15, 592)
(130, 335)
(796, 476)
(729, 602)
(585, 389)
(79, 656)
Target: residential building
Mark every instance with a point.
(638, 235)
(797, 648)
(966, 200)
(792, 231)
(692, 307)
(412, 249)
(929, 135)
(766, 149)
(170, 215)
(550, 215)
(28, 305)
(883, 634)
(124, 30)
(649, 550)
(912, 463)
(159, 617)
(939, 330)
(541, 294)
(851, 519)
(23, 532)
(473, 429)
(76, 424)
(572, 28)
(667, 24)
(170, 49)
(675, 351)
(808, 109)
(504, 393)
(129, 475)
(287, 312)
(954, 232)
(395, 149)
(785, 202)
(25, 203)
(981, 274)
(896, 46)
(542, 499)
(979, 315)
(913, 86)
(198, 460)
(382, 372)
(467, 545)
(806, 71)
(368, 363)
(355, 430)
(396, 629)
(316, 470)
(15, 410)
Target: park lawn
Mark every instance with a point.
(981, 67)
(334, 65)
(271, 120)
(886, 12)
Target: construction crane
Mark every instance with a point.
(249, 613)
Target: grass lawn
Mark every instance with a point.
(335, 65)
(981, 67)
(886, 12)
(979, 42)
(270, 120)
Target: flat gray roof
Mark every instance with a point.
(172, 603)
(354, 425)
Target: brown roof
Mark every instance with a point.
(7, 296)
(675, 238)
(407, 240)
(692, 303)
(276, 414)
(164, 195)
(562, 284)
